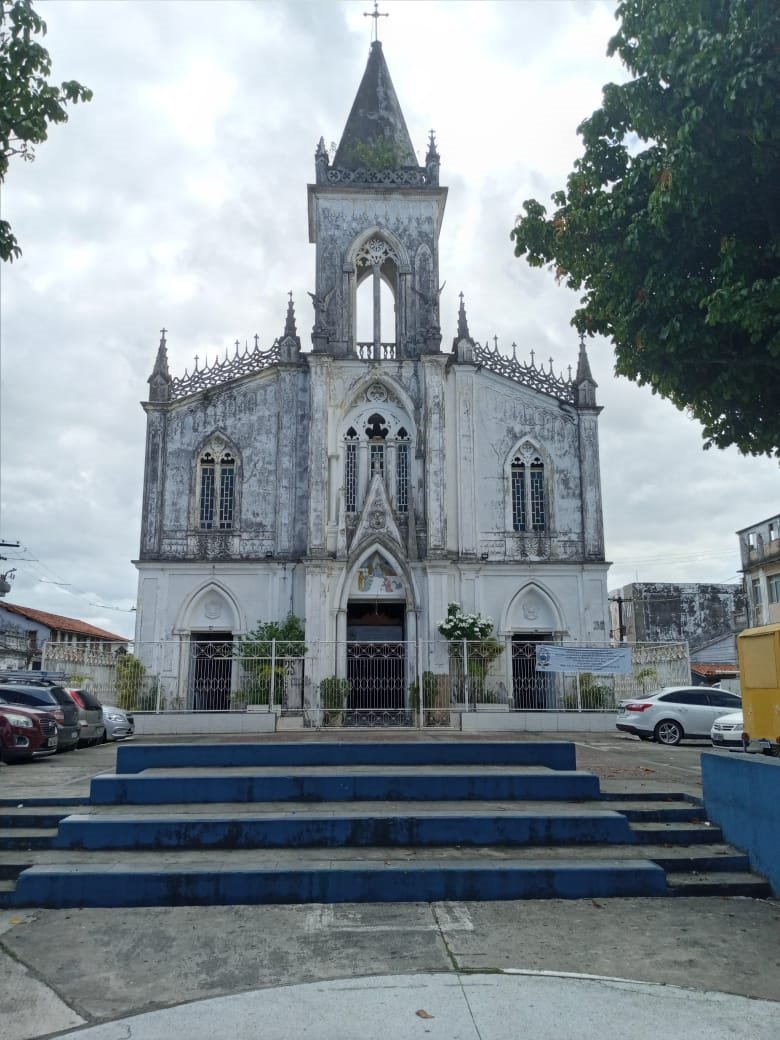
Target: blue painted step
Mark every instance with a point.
(339, 787)
(309, 831)
(365, 882)
(134, 758)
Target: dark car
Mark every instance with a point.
(90, 715)
(26, 733)
(51, 698)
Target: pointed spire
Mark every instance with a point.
(463, 344)
(160, 379)
(321, 162)
(584, 381)
(290, 343)
(583, 364)
(289, 325)
(463, 324)
(432, 160)
(375, 134)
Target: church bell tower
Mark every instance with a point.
(375, 214)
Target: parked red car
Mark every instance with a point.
(26, 733)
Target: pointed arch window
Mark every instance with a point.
(217, 491)
(350, 470)
(402, 472)
(528, 499)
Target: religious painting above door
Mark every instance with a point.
(377, 578)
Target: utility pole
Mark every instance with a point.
(621, 627)
(8, 576)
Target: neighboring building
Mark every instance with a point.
(366, 483)
(663, 612)
(759, 547)
(26, 634)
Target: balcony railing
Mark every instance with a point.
(365, 351)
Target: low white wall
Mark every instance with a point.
(470, 722)
(182, 722)
(537, 721)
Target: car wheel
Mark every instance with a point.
(668, 732)
(103, 739)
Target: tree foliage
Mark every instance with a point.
(670, 221)
(28, 101)
(263, 653)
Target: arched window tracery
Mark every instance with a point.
(216, 507)
(527, 491)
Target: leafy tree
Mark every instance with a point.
(670, 220)
(28, 102)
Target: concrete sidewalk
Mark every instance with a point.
(457, 1007)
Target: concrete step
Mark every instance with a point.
(32, 817)
(335, 882)
(719, 884)
(59, 802)
(675, 860)
(418, 784)
(675, 833)
(27, 837)
(383, 827)
(130, 868)
(134, 758)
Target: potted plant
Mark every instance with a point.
(435, 704)
(473, 648)
(334, 693)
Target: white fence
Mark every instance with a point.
(361, 683)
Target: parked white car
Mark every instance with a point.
(118, 724)
(676, 713)
(727, 731)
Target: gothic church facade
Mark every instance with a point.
(365, 483)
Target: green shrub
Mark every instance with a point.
(130, 673)
(334, 693)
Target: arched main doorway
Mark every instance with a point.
(377, 648)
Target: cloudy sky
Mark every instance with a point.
(177, 198)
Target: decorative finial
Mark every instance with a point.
(583, 364)
(514, 352)
(376, 14)
(160, 379)
(289, 325)
(533, 358)
(463, 325)
(257, 342)
(432, 158)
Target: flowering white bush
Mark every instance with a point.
(458, 625)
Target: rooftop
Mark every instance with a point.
(63, 624)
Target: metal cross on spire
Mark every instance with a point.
(376, 14)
